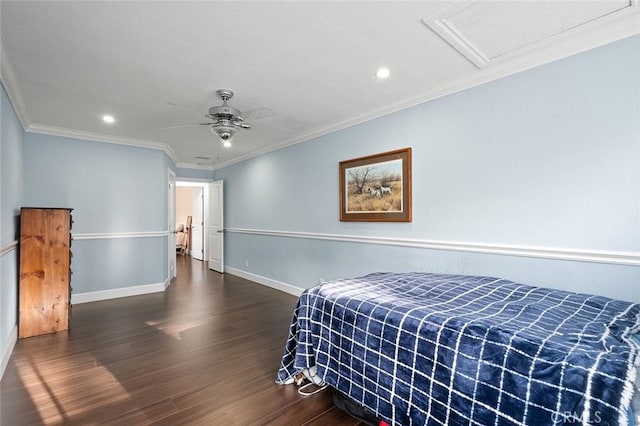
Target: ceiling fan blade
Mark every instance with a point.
(258, 113)
(185, 125)
(242, 125)
(183, 107)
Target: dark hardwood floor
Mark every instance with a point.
(206, 351)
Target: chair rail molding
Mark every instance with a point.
(6, 248)
(112, 235)
(629, 258)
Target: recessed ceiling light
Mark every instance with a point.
(108, 119)
(383, 73)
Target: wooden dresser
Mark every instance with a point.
(45, 271)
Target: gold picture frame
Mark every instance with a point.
(376, 188)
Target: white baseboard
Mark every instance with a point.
(269, 282)
(95, 296)
(11, 342)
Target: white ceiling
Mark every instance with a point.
(308, 67)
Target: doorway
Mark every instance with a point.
(171, 196)
(190, 216)
(200, 203)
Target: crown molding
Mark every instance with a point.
(194, 166)
(624, 26)
(608, 30)
(99, 137)
(11, 87)
(13, 92)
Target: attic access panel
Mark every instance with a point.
(488, 32)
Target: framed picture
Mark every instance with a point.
(376, 188)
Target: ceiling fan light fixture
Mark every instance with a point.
(224, 120)
(225, 133)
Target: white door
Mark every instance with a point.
(171, 214)
(215, 233)
(197, 224)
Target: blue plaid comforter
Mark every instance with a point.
(423, 348)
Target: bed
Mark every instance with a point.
(182, 239)
(422, 348)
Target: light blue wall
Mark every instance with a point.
(11, 184)
(112, 189)
(11, 166)
(549, 157)
(104, 264)
(182, 172)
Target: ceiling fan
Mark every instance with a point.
(225, 121)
